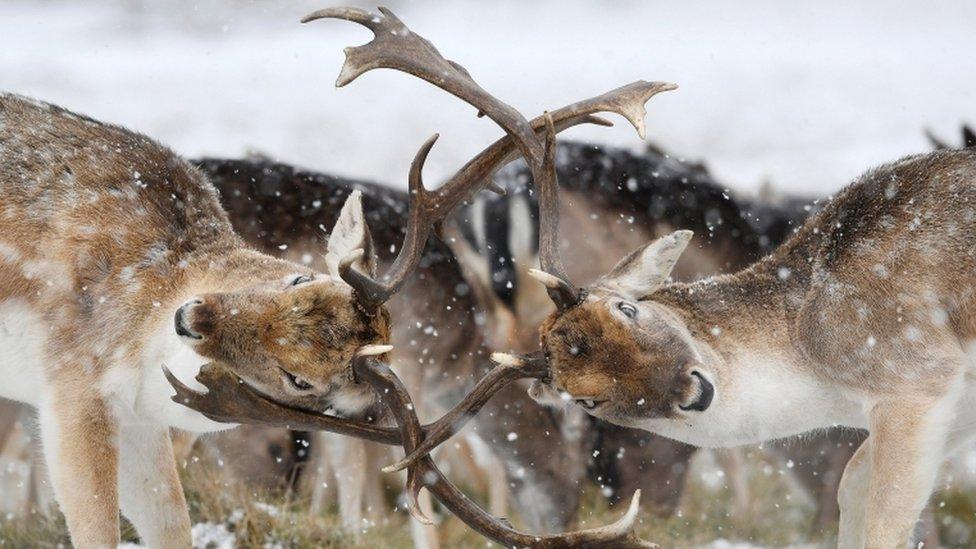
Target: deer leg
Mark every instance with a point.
(498, 493)
(320, 476)
(852, 498)
(9, 414)
(377, 456)
(149, 487)
(79, 438)
(731, 461)
(908, 445)
(838, 456)
(348, 458)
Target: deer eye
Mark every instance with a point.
(297, 382)
(627, 309)
(300, 279)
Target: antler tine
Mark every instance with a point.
(628, 101)
(624, 101)
(560, 290)
(395, 46)
(370, 293)
(426, 474)
(229, 400)
(531, 366)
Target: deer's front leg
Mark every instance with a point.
(908, 440)
(149, 487)
(79, 436)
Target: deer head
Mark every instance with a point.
(621, 356)
(293, 336)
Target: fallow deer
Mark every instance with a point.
(117, 259)
(863, 318)
(617, 199)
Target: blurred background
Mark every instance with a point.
(781, 103)
(804, 95)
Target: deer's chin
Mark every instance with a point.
(351, 399)
(547, 395)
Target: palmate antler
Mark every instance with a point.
(424, 474)
(229, 399)
(395, 46)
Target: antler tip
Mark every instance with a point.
(392, 468)
(634, 504)
(420, 517)
(374, 350)
(317, 14)
(348, 72)
(547, 280)
(506, 359)
(684, 235)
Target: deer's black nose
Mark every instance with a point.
(181, 323)
(706, 392)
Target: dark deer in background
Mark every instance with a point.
(968, 139)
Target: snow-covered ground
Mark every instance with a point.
(804, 95)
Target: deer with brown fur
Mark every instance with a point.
(117, 259)
(863, 318)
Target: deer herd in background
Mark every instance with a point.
(118, 258)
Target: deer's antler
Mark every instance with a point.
(394, 46)
(423, 473)
(230, 399)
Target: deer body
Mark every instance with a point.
(104, 235)
(866, 317)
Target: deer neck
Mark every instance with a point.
(743, 325)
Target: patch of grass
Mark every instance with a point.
(274, 518)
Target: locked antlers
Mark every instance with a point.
(395, 46)
(424, 474)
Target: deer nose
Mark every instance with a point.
(182, 322)
(703, 393)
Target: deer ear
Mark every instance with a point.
(647, 267)
(349, 234)
(968, 137)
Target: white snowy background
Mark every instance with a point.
(804, 95)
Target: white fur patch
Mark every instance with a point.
(759, 398)
(153, 402)
(23, 335)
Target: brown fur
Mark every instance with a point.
(106, 233)
(872, 299)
